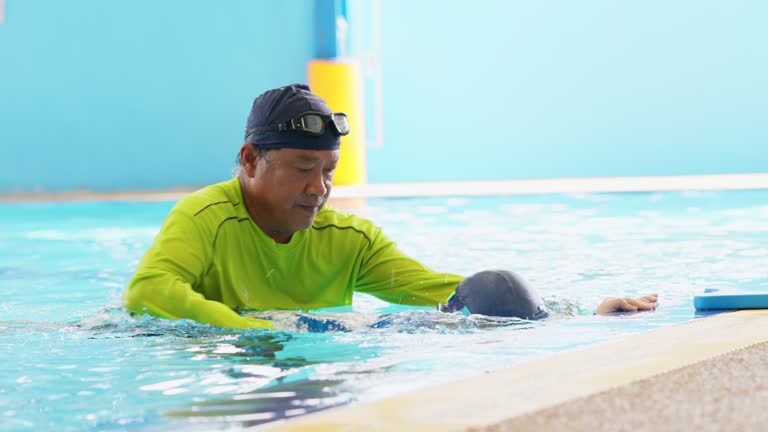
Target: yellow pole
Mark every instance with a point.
(340, 84)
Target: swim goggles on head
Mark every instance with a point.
(310, 123)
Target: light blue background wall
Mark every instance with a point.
(504, 89)
(142, 94)
(138, 94)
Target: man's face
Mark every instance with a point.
(290, 187)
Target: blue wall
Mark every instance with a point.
(138, 94)
(144, 94)
(502, 89)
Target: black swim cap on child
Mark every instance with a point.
(499, 293)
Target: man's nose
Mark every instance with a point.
(317, 185)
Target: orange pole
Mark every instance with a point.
(340, 84)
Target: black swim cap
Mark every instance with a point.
(282, 104)
(500, 293)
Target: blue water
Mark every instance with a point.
(72, 360)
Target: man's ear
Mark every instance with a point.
(249, 157)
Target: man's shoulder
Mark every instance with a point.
(211, 200)
(338, 220)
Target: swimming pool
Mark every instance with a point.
(73, 361)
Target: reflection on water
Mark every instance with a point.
(278, 401)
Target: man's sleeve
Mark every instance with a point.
(177, 261)
(387, 273)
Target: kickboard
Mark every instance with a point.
(727, 298)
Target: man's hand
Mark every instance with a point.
(611, 305)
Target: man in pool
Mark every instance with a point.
(266, 239)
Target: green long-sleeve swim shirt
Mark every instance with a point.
(210, 258)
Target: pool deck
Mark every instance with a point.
(706, 374)
(508, 187)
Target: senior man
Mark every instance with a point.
(268, 240)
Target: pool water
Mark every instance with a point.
(72, 360)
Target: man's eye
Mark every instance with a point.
(304, 170)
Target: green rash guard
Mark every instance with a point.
(210, 258)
